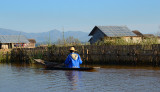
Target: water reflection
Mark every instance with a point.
(31, 78)
(74, 78)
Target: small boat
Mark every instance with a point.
(56, 66)
(65, 68)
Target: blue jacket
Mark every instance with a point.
(73, 60)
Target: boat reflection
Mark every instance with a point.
(74, 78)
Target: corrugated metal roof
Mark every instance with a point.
(116, 31)
(13, 39)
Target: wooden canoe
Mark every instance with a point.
(65, 68)
(56, 66)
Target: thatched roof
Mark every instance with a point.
(137, 33)
(32, 40)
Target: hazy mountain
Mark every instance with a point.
(52, 35)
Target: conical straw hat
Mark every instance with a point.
(72, 48)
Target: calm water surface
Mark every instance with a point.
(31, 78)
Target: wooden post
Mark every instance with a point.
(87, 55)
(83, 52)
(7, 57)
(154, 57)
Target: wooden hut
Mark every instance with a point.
(113, 32)
(32, 43)
(152, 37)
(13, 41)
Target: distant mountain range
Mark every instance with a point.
(52, 35)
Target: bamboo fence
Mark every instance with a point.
(94, 54)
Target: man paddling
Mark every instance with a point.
(73, 60)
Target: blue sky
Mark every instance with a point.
(79, 15)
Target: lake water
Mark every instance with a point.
(32, 78)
